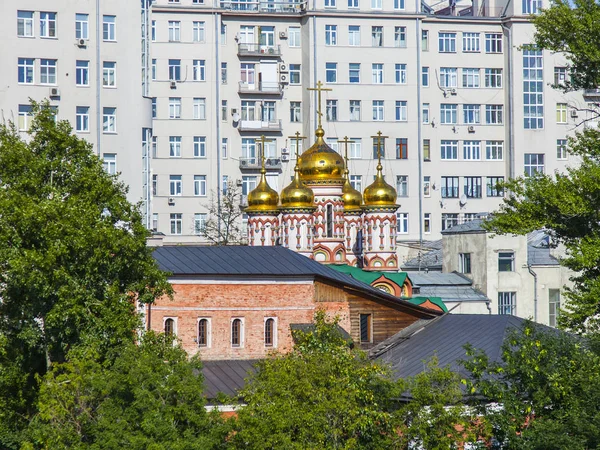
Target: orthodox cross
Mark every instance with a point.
(319, 89)
(262, 141)
(346, 141)
(380, 139)
(296, 137)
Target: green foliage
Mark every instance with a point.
(151, 397)
(545, 390)
(73, 260)
(568, 206)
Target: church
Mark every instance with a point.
(321, 216)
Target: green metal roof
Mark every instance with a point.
(435, 300)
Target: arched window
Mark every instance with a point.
(236, 333)
(169, 327)
(269, 332)
(329, 217)
(203, 333)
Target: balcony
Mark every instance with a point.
(260, 125)
(292, 6)
(591, 95)
(254, 165)
(272, 51)
(263, 87)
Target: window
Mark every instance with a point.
(199, 70)
(553, 306)
(331, 110)
(82, 26)
(175, 146)
(108, 28)
(464, 262)
(268, 112)
(400, 37)
(366, 325)
(295, 112)
(356, 182)
(154, 146)
(176, 223)
(449, 149)
(200, 185)
(199, 146)
(531, 6)
(169, 327)
(378, 110)
(198, 31)
(48, 71)
(561, 113)
(154, 221)
(398, 4)
(493, 78)
(473, 187)
(26, 70)
(153, 31)
(354, 72)
(203, 332)
(494, 187)
(109, 74)
(427, 223)
(402, 223)
(376, 4)
(199, 223)
(507, 303)
(109, 120)
(355, 110)
(471, 114)
(270, 332)
(533, 89)
(223, 34)
(449, 187)
(377, 36)
(199, 108)
(353, 4)
(82, 119)
(494, 150)
(330, 34)
(154, 186)
(449, 220)
(224, 145)
(400, 71)
(560, 76)
(294, 73)
(247, 73)
(425, 112)
(223, 73)
(401, 111)
(470, 78)
(294, 36)
(175, 185)
(25, 23)
(153, 69)
(224, 110)
(470, 42)
(248, 184)
(175, 69)
(82, 72)
(472, 150)
(448, 113)
(401, 148)
(354, 35)
(448, 77)
(47, 24)
(534, 163)
(425, 76)
(174, 30)
(377, 73)
(447, 42)
(493, 114)
(175, 108)
(425, 40)
(506, 261)
(330, 3)
(493, 43)
(561, 149)
(331, 72)
(426, 186)
(402, 185)
(248, 110)
(426, 150)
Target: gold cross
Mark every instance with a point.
(262, 141)
(319, 89)
(296, 137)
(379, 138)
(346, 141)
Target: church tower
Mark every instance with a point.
(353, 222)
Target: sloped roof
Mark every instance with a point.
(368, 276)
(538, 249)
(431, 258)
(226, 376)
(472, 226)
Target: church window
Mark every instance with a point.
(366, 328)
(203, 333)
(329, 218)
(236, 333)
(270, 332)
(170, 327)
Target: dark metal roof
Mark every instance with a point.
(431, 260)
(538, 249)
(409, 350)
(226, 376)
(472, 226)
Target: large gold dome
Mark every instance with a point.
(320, 163)
(296, 195)
(352, 198)
(262, 197)
(380, 193)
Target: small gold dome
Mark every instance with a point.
(320, 162)
(380, 193)
(296, 195)
(352, 198)
(262, 197)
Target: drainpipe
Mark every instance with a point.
(218, 116)
(509, 82)
(419, 131)
(535, 295)
(98, 80)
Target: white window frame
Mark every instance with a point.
(242, 332)
(199, 223)
(199, 147)
(176, 224)
(561, 149)
(400, 73)
(377, 73)
(494, 114)
(109, 119)
(378, 110)
(449, 150)
(471, 114)
(174, 107)
(494, 150)
(109, 28)
(175, 146)
(446, 42)
(208, 332)
(493, 78)
(174, 31)
(354, 35)
(175, 185)
(48, 71)
(26, 70)
(48, 26)
(25, 23)
(109, 163)
(402, 222)
(275, 334)
(448, 77)
(82, 73)
(448, 113)
(200, 186)
(470, 42)
(400, 37)
(472, 150)
(294, 37)
(330, 35)
(199, 31)
(199, 70)
(82, 26)
(199, 108)
(401, 111)
(471, 78)
(109, 74)
(82, 119)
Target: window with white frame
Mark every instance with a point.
(26, 70)
(448, 113)
(553, 306)
(494, 187)
(198, 31)
(561, 149)
(560, 76)
(464, 262)
(48, 71)
(493, 78)
(472, 150)
(472, 187)
(224, 148)
(82, 73)
(470, 78)
(109, 162)
(154, 221)
(352, 4)
(534, 164)
(449, 149)
(426, 223)
(470, 42)
(200, 185)
(376, 4)
(294, 36)
(354, 72)
(399, 4)
(199, 147)
(531, 6)
(402, 185)
(109, 74)
(295, 112)
(507, 303)
(175, 146)
(425, 113)
(494, 150)
(377, 36)
(175, 185)
(109, 120)
(427, 186)
(153, 31)
(449, 220)
(47, 24)
(447, 42)
(533, 88)
(82, 119)
(330, 34)
(331, 72)
(355, 148)
(400, 72)
(204, 326)
(174, 69)
(199, 108)
(448, 77)
(153, 69)
(400, 37)
(237, 325)
(270, 335)
(494, 114)
(401, 111)
(174, 30)
(425, 76)
(561, 113)
(295, 71)
(355, 110)
(354, 35)
(356, 182)
(471, 114)
(330, 4)
(331, 110)
(176, 222)
(223, 73)
(377, 73)
(174, 107)
(248, 110)
(493, 42)
(25, 23)
(506, 261)
(109, 30)
(199, 70)
(378, 110)
(82, 26)
(402, 223)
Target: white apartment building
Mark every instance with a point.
(85, 57)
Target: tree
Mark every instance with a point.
(224, 224)
(73, 260)
(151, 397)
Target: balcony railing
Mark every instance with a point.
(592, 94)
(259, 49)
(293, 6)
(255, 164)
(260, 125)
(263, 87)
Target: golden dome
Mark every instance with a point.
(380, 193)
(321, 163)
(352, 198)
(262, 197)
(296, 195)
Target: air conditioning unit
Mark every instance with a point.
(54, 92)
(283, 78)
(273, 162)
(574, 113)
(285, 158)
(283, 67)
(81, 42)
(452, 91)
(173, 84)
(238, 182)
(471, 129)
(171, 201)
(285, 151)
(244, 162)
(282, 35)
